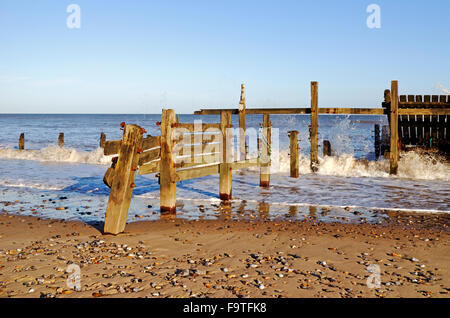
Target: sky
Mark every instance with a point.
(139, 56)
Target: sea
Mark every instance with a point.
(67, 183)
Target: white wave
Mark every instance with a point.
(411, 165)
(58, 154)
(30, 185)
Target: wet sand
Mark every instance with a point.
(226, 258)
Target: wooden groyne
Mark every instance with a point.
(192, 150)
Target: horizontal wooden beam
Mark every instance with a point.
(197, 160)
(151, 167)
(149, 155)
(245, 164)
(191, 126)
(188, 149)
(197, 172)
(284, 111)
(424, 111)
(151, 142)
(111, 147)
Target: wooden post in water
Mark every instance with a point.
(293, 138)
(167, 175)
(102, 140)
(264, 172)
(326, 148)
(393, 158)
(314, 125)
(225, 164)
(22, 141)
(385, 141)
(242, 126)
(61, 140)
(123, 180)
(377, 141)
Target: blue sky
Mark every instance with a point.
(139, 56)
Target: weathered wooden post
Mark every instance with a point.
(314, 125)
(61, 140)
(167, 175)
(123, 180)
(102, 140)
(242, 126)
(293, 149)
(225, 169)
(385, 141)
(326, 148)
(377, 141)
(393, 158)
(264, 172)
(22, 141)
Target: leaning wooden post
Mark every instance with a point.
(22, 141)
(225, 166)
(264, 172)
(123, 180)
(242, 126)
(102, 140)
(326, 148)
(314, 125)
(393, 158)
(61, 140)
(293, 138)
(167, 175)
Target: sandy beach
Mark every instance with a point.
(220, 258)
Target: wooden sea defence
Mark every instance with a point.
(186, 151)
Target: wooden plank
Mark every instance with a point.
(196, 128)
(194, 150)
(427, 130)
(61, 140)
(424, 111)
(197, 160)
(242, 126)
(238, 165)
(197, 172)
(352, 111)
(151, 142)
(102, 140)
(293, 153)
(314, 130)
(264, 171)
(420, 130)
(286, 111)
(167, 176)
(393, 158)
(123, 180)
(434, 131)
(149, 155)
(225, 167)
(111, 147)
(151, 167)
(22, 141)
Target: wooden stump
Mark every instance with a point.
(326, 148)
(377, 141)
(102, 140)
(167, 176)
(225, 169)
(123, 180)
(264, 172)
(293, 148)
(393, 157)
(22, 141)
(61, 140)
(314, 132)
(242, 126)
